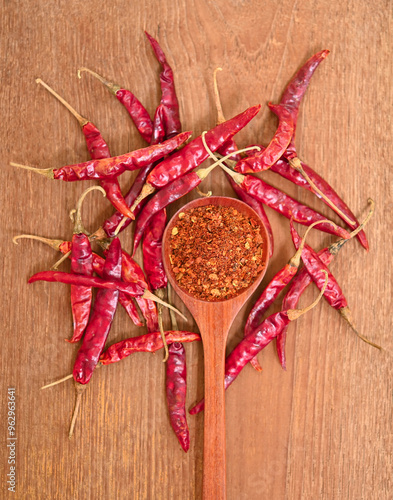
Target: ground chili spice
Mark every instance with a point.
(216, 252)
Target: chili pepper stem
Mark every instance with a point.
(171, 313)
(160, 293)
(100, 236)
(346, 313)
(60, 261)
(120, 225)
(295, 260)
(145, 192)
(81, 120)
(148, 295)
(76, 213)
(57, 382)
(297, 165)
(55, 244)
(201, 193)
(220, 114)
(238, 178)
(203, 172)
(79, 390)
(112, 87)
(46, 172)
(294, 314)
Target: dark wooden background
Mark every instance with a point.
(321, 430)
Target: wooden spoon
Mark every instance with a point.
(214, 320)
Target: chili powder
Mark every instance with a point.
(215, 252)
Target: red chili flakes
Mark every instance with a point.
(216, 252)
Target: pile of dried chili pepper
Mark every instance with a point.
(215, 252)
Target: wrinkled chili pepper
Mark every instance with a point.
(100, 323)
(333, 293)
(169, 106)
(152, 251)
(81, 296)
(136, 110)
(284, 169)
(263, 160)
(98, 149)
(296, 88)
(176, 383)
(149, 342)
(111, 167)
(131, 288)
(272, 291)
(282, 203)
(194, 153)
(98, 328)
(98, 265)
(257, 340)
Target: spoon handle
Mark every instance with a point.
(214, 458)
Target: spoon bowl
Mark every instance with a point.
(214, 319)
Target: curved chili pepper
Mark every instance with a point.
(100, 323)
(257, 340)
(176, 386)
(112, 167)
(98, 149)
(296, 88)
(283, 168)
(263, 160)
(124, 300)
(169, 105)
(333, 293)
(149, 342)
(81, 296)
(132, 289)
(152, 251)
(282, 203)
(136, 110)
(194, 153)
(299, 284)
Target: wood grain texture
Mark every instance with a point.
(320, 430)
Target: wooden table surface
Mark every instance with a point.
(320, 430)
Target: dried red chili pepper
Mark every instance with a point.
(176, 384)
(272, 291)
(194, 153)
(282, 203)
(98, 265)
(251, 345)
(132, 289)
(169, 106)
(149, 342)
(81, 264)
(98, 149)
(103, 313)
(263, 160)
(296, 88)
(283, 168)
(136, 110)
(152, 251)
(107, 168)
(98, 328)
(333, 292)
